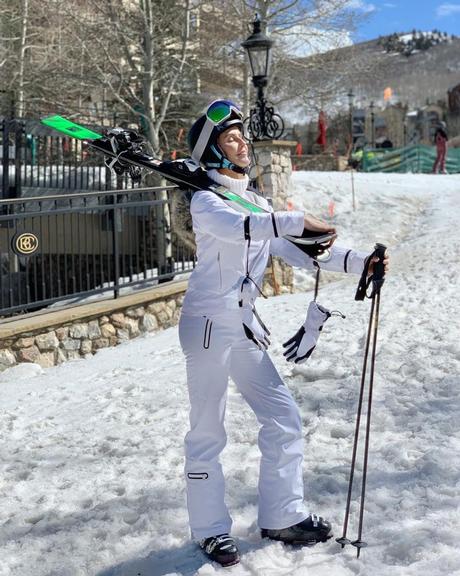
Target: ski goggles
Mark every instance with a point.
(217, 112)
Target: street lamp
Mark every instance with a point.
(350, 103)
(371, 108)
(263, 122)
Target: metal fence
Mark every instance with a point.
(416, 159)
(32, 156)
(71, 247)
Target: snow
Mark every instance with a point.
(91, 478)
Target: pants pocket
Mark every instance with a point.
(207, 334)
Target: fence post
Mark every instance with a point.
(6, 158)
(19, 132)
(116, 246)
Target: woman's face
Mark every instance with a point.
(234, 147)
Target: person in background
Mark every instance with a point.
(440, 140)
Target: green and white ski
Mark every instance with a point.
(124, 152)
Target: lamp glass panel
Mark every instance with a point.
(259, 61)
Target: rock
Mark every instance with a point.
(31, 354)
(164, 316)
(285, 161)
(62, 332)
(118, 319)
(133, 326)
(73, 355)
(46, 359)
(24, 343)
(47, 341)
(93, 330)
(123, 334)
(7, 359)
(71, 344)
(107, 330)
(86, 346)
(100, 343)
(78, 331)
(61, 356)
(149, 323)
(104, 320)
(135, 312)
(156, 307)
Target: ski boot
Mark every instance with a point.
(309, 532)
(221, 549)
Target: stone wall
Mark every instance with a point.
(273, 174)
(317, 162)
(279, 278)
(274, 169)
(55, 337)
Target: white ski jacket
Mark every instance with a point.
(223, 258)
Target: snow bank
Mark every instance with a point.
(91, 451)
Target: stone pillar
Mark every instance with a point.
(274, 167)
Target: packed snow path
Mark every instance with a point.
(91, 462)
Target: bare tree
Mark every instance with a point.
(136, 53)
(16, 39)
(302, 29)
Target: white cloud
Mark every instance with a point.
(365, 7)
(389, 5)
(447, 10)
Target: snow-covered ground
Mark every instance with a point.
(91, 451)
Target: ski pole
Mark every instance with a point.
(359, 543)
(378, 279)
(377, 282)
(343, 540)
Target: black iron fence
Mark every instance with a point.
(67, 247)
(33, 156)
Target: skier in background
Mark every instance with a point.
(222, 336)
(440, 140)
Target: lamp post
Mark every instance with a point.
(350, 104)
(263, 122)
(371, 108)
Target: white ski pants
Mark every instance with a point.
(215, 351)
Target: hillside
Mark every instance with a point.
(424, 75)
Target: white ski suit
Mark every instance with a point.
(216, 348)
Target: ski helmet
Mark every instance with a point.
(202, 137)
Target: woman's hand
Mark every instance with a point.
(314, 224)
(386, 264)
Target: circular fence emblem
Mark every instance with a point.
(25, 244)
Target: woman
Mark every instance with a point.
(440, 140)
(222, 336)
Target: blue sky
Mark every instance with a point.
(387, 16)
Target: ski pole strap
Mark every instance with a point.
(378, 275)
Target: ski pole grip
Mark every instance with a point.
(379, 270)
